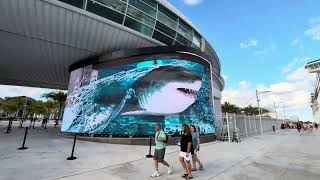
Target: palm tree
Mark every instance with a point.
(230, 108)
(250, 110)
(49, 104)
(59, 97)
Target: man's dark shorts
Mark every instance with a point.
(159, 154)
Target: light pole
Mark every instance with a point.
(258, 102)
(275, 109)
(284, 111)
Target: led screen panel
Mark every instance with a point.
(130, 99)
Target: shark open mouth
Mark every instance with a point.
(188, 92)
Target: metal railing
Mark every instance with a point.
(242, 126)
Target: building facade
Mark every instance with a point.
(314, 67)
(42, 39)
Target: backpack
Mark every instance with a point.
(167, 137)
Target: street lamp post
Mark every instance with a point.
(275, 109)
(284, 111)
(259, 109)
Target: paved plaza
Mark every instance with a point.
(281, 155)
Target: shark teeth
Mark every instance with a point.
(186, 91)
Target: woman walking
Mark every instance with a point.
(185, 156)
(196, 148)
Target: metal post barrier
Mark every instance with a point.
(24, 140)
(228, 128)
(74, 144)
(255, 125)
(261, 125)
(234, 121)
(9, 126)
(249, 121)
(150, 142)
(245, 124)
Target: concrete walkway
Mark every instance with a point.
(283, 155)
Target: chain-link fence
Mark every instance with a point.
(235, 127)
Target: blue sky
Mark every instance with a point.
(262, 44)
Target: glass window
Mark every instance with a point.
(176, 43)
(103, 11)
(196, 40)
(161, 37)
(183, 40)
(140, 16)
(116, 5)
(168, 13)
(133, 24)
(185, 30)
(150, 3)
(185, 33)
(76, 3)
(167, 21)
(143, 7)
(165, 29)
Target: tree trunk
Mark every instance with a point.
(59, 114)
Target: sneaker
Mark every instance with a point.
(170, 169)
(155, 174)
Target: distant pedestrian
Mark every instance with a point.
(196, 148)
(160, 150)
(185, 156)
(299, 126)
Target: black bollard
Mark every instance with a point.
(150, 142)
(33, 124)
(74, 143)
(24, 140)
(9, 126)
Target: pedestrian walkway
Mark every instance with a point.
(281, 155)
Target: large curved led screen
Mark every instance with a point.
(130, 99)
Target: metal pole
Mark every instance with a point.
(275, 109)
(228, 128)
(284, 113)
(24, 140)
(245, 124)
(255, 124)
(9, 126)
(249, 121)
(259, 112)
(74, 144)
(150, 142)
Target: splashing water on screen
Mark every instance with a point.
(83, 114)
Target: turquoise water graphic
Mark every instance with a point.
(85, 112)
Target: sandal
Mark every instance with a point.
(184, 175)
(187, 178)
(201, 167)
(194, 169)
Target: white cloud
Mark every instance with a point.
(314, 30)
(249, 43)
(294, 64)
(192, 2)
(294, 92)
(271, 48)
(314, 20)
(295, 42)
(244, 84)
(36, 93)
(225, 77)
